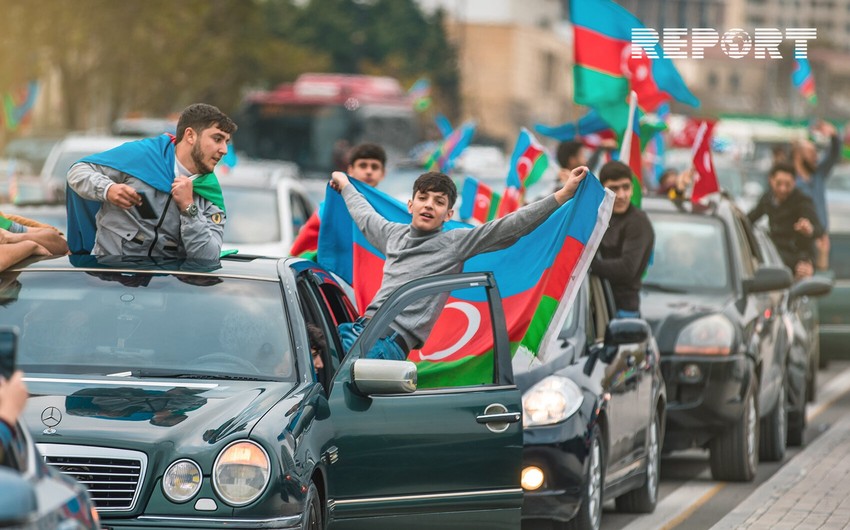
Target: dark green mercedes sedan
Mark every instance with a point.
(187, 395)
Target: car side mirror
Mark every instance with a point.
(381, 376)
(18, 504)
(769, 278)
(811, 287)
(622, 331)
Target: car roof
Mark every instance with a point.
(244, 266)
(717, 206)
(257, 174)
(97, 143)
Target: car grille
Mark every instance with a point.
(112, 476)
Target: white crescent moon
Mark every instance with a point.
(523, 166)
(473, 318)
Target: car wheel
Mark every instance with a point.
(797, 420)
(774, 429)
(812, 375)
(313, 510)
(733, 455)
(644, 499)
(589, 514)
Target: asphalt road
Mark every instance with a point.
(691, 500)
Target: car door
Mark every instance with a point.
(763, 317)
(619, 381)
(444, 457)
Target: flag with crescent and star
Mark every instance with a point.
(538, 277)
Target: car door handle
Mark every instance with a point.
(503, 417)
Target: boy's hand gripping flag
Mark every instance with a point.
(538, 278)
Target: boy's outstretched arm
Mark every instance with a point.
(375, 227)
(501, 233)
(569, 189)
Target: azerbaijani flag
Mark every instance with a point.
(630, 151)
(590, 123)
(478, 201)
(444, 156)
(528, 161)
(604, 70)
(538, 278)
(804, 80)
(420, 94)
(17, 105)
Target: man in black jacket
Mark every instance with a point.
(793, 220)
(624, 252)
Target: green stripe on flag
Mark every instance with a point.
(539, 324)
(594, 88)
(637, 192)
(537, 170)
(472, 370)
(5, 224)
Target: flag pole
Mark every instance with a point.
(626, 145)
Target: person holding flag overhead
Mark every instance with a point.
(422, 248)
(367, 163)
(155, 197)
(625, 249)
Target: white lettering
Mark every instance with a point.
(674, 44)
(801, 36)
(768, 40)
(701, 39)
(646, 39)
(736, 43)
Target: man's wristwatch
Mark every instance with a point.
(191, 210)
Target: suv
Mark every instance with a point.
(715, 311)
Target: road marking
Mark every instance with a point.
(831, 392)
(678, 506)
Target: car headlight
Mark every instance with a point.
(550, 401)
(181, 481)
(241, 472)
(711, 335)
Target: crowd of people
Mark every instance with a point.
(156, 198)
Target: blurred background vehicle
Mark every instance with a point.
(799, 314)
(834, 310)
(315, 120)
(266, 205)
(713, 306)
(64, 154)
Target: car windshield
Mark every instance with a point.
(147, 324)
(690, 254)
(252, 215)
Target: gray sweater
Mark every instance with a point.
(412, 254)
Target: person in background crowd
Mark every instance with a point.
(794, 223)
(367, 163)
(624, 252)
(811, 181)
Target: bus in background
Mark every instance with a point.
(314, 120)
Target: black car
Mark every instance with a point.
(715, 307)
(593, 416)
(185, 395)
(799, 315)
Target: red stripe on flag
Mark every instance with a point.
(561, 271)
(597, 51)
(483, 199)
(364, 276)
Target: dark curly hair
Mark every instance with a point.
(436, 182)
(200, 116)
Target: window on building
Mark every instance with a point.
(734, 81)
(549, 81)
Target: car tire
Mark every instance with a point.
(589, 515)
(313, 512)
(733, 455)
(797, 420)
(644, 499)
(773, 438)
(812, 374)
